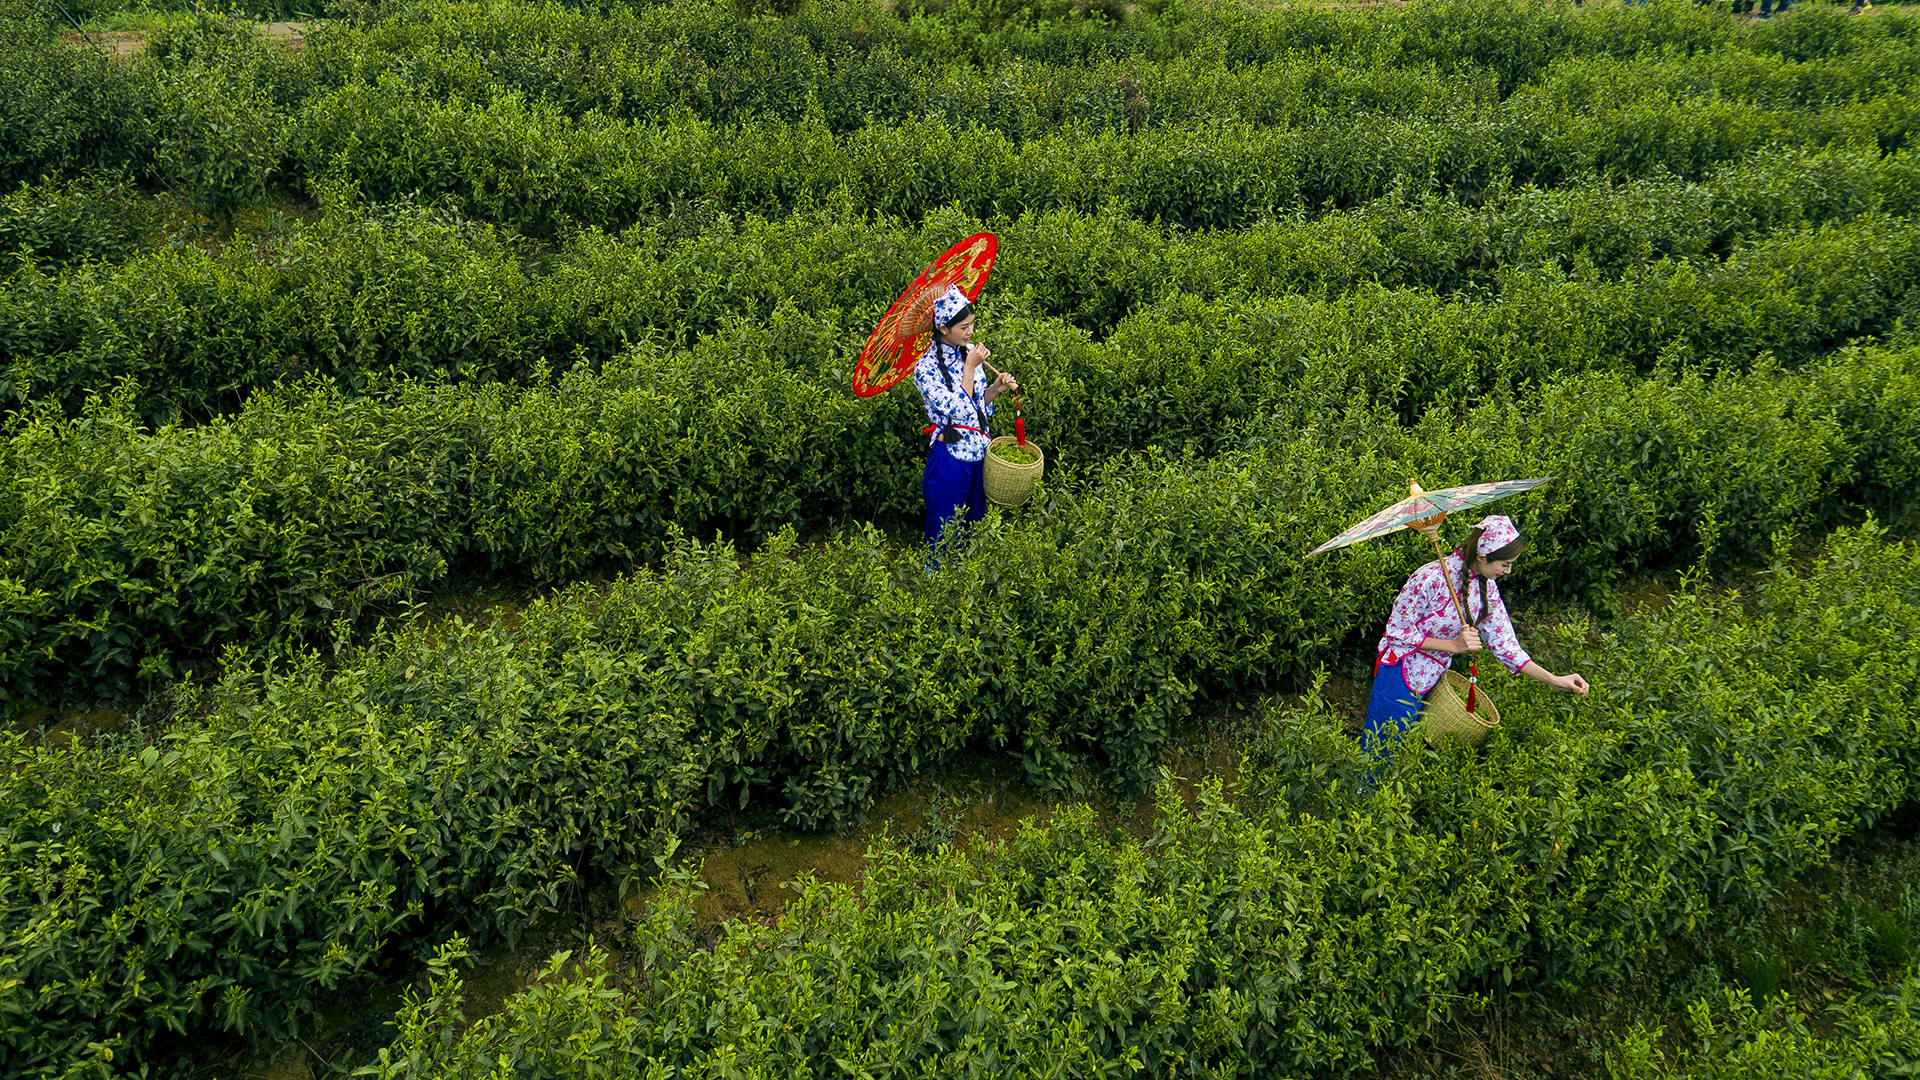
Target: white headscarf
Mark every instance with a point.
(1496, 532)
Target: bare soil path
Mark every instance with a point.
(126, 44)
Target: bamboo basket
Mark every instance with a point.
(1008, 484)
(1446, 715)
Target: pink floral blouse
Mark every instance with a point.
(1424, 609)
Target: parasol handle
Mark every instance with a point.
(1432, 533)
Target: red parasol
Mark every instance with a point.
(906, 329)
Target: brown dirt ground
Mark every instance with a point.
(126, 44)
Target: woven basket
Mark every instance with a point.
(1446, 715)
(1008, 484)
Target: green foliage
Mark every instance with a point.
(115, 563)
(1723, 752)
(586, 282)
(88, 218)
(1732, 1038)
(1040, 70)
(403, 290)
(62, 110)
(1888, 937)
(218, 136)
(1761, 973)
(280, 532)
(227, 876)
(1407, 300)
(1270, 938)
(521, 161)
(213, 145)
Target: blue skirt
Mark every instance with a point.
(1392, 709)
(952, 487)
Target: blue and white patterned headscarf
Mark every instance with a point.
(952, 306)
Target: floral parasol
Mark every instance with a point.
(1414, 510)
(1422, 511)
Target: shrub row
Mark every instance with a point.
(1727, 1037)
(1303, 928)
(850, 66)
(1730, 1037)
(1720, 270)
(90, 218)
(132, 550)
(513, 160)
(857, 70)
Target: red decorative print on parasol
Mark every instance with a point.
(906, 329)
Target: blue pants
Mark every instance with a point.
(951, 486)
(1391, 710)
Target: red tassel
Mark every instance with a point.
(1473, 684)
(1019, 423)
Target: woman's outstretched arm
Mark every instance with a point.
(1572, 682)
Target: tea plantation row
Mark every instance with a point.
(497, 127)
(1515, 41)
(1787, 252)
(263, 855)
(1726, 1037)
(854, 67)
(523, 163)
(132, 550)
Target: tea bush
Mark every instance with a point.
(1299, 930)
(216, 143)
(132, 549)
(462, 776)
(237, 875)
(1735, 1038)
(1793, 253)
(400, 290)
(58, 223)
(63, 111)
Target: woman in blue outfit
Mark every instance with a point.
(952, 380)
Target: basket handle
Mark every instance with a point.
(1019, 414)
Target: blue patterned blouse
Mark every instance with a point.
(949, 405)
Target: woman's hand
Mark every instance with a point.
(1468, 641)
(976, 355)
(1571, 683)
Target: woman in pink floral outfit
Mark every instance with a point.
(1425, 633)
